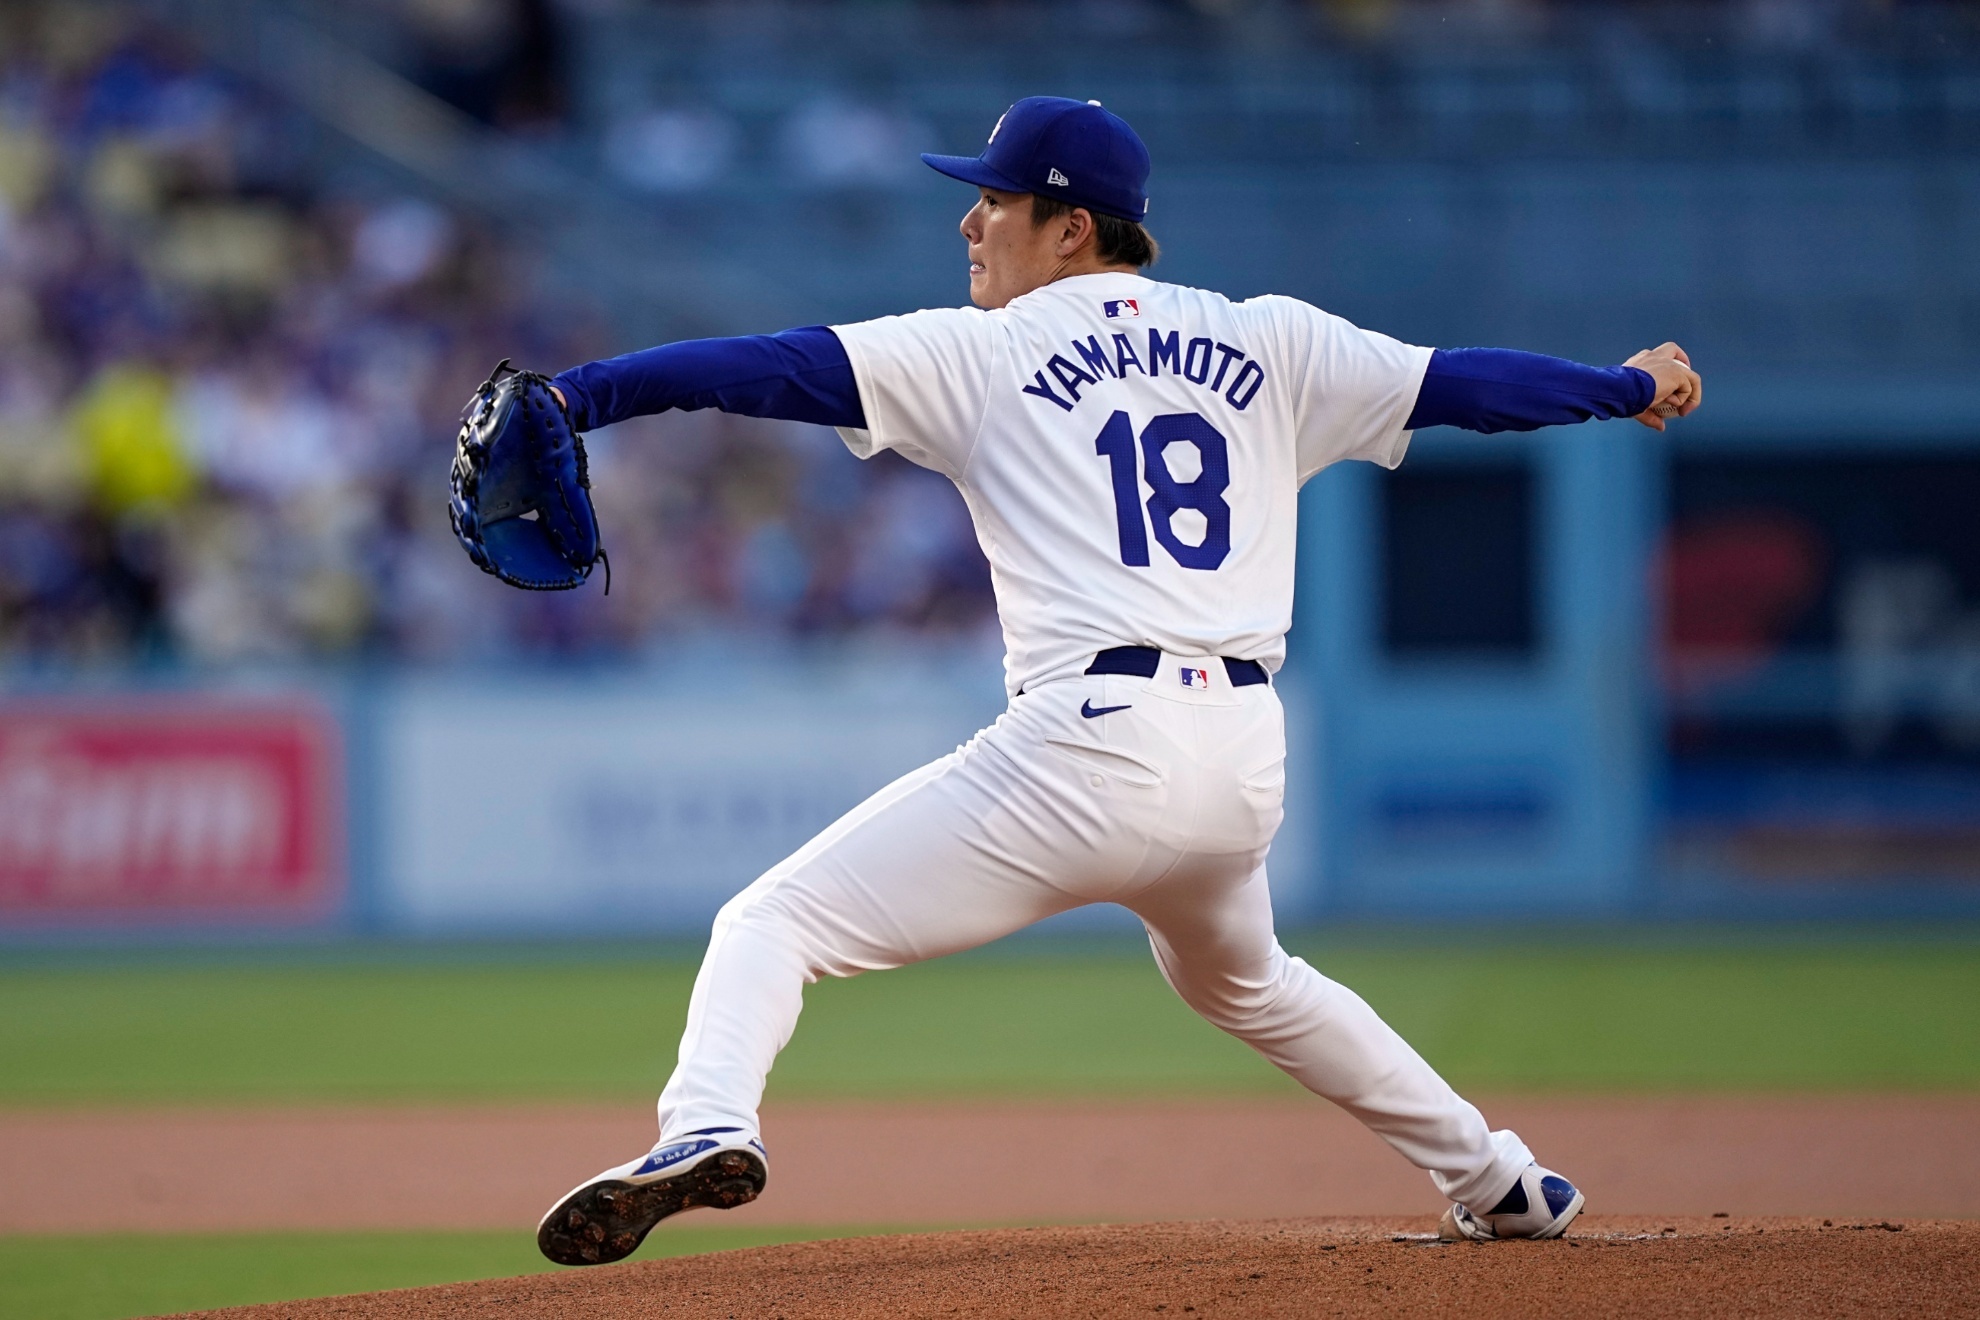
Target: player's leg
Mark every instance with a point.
(949, 857)
(999, 835)
(905, 877)
(1210, 925)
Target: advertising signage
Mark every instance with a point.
(162, 807)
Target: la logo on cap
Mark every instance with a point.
(1058, 180)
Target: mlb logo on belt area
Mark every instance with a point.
(1118, 307)
(1195, 678)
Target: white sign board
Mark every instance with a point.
(564, 806)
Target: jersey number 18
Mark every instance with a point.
(1205, 494)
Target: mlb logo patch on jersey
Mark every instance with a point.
(1195, 678)
(1119, 307)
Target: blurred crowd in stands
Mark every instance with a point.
(228, 399)
(230, 371)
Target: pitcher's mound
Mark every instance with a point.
(1292, 1267)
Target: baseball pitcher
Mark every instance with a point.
(1131, 453)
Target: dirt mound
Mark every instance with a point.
(1292, 1267)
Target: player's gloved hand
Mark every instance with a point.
(517, 455)
(1678, 386)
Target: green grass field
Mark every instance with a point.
(1672, 1012)
(1588, 1015)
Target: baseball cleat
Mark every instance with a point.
(606, 1218)
(1540, 1205)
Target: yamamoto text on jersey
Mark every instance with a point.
(1204, 362)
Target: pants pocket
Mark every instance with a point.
(1269, 779)
(1119, 766)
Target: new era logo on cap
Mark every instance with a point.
(1058, 180)
(1118, 307)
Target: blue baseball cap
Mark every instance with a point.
(1073, 151)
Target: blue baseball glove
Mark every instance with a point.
(521, 501)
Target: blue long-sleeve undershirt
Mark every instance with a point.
(1503, 389)
(804, 376)
(796, 376)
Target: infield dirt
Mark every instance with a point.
(1609, 1266)
(249, 1170)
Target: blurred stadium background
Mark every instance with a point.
(253, 255)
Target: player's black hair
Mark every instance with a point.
(1117, 240)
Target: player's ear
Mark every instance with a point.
(1078, 229)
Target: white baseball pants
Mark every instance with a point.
(1166, 806)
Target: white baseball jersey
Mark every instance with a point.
(1131, 453)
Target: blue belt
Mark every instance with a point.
(1143, 661)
